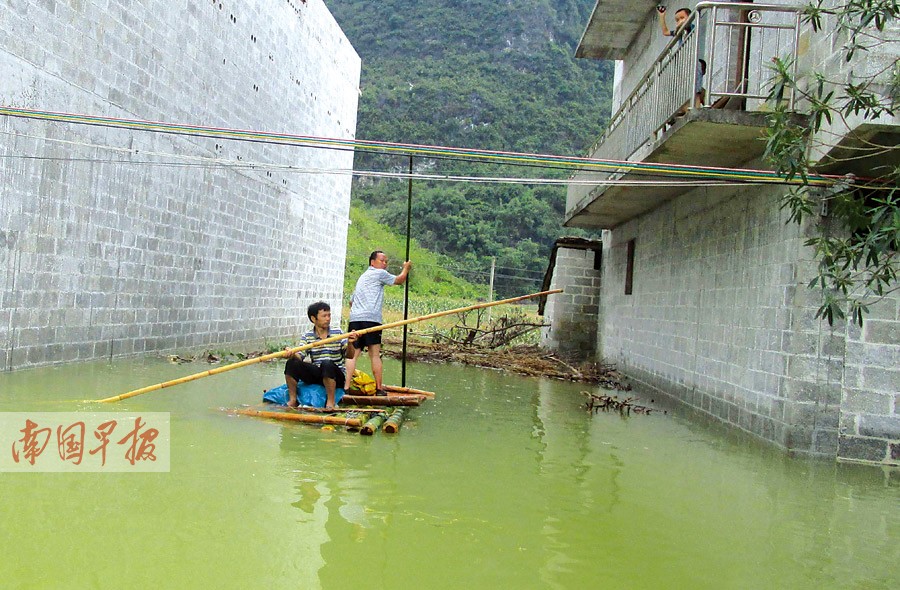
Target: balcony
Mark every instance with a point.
(702, 102)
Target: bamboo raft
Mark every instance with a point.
(385, 413)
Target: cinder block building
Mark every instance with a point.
(119, 241)
(703, 290)
(574, 267)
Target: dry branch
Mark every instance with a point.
(612, 403)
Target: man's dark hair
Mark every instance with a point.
(687, 10)
(374, 255)
(312, 312)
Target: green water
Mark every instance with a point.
(500, 482)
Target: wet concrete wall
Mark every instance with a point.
(720, 318)
(118, 242)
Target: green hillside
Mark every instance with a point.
(475, 73)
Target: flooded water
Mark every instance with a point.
(499, 482)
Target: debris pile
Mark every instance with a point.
(524, 360)
(529, 360)
(612, 403)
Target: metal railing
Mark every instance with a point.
(718, 58)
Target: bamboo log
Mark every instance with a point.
(392, 424)
(383, 400)
(372, 425)
(289, 353)
(375, 412)
(308, 418)
(407, 390)
(335, 410)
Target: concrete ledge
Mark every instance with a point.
(702, 137)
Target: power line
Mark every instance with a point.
(460, 269)
(539, 274)
(578, 163)
(210, 163)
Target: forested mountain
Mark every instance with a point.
(488, 74)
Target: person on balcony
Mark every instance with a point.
(681, 17)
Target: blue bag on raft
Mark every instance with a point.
(307, 395)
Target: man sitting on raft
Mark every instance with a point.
(326, 362)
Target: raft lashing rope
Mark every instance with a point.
(741, 175)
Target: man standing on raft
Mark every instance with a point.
(365, 311)
(326, 362)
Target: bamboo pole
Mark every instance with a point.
(383, 400)
(372, 425)
(406, 284)
(329, 340)
(407, 391)
(392, 424)
(308, 418)
(336, 410)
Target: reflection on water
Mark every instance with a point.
(501, 481)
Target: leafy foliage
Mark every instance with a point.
(480, 74)
(857, 246)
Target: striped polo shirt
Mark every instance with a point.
(333, 351)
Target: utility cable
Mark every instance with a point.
(206, 162)
(758, 176)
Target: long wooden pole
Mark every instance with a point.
(406, 284)
(382, 400)
(329, 340)
(308, 418)
(407, 391)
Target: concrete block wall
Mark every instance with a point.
(869, 427)
(813, 380)
(117, 242)
(573, 315)
(824, 52)
(870, 402)
(721, 319)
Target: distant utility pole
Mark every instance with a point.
(491, 286)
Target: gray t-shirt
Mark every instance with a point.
(368, 297)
